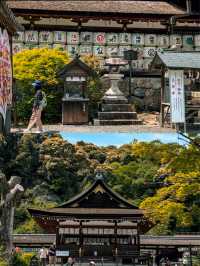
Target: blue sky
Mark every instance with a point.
(118, 139)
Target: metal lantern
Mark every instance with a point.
(130, 55)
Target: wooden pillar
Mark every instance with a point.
(83, 88)
(138, 237)
(162, 98)
(115, 235)
(57, 235)
(80, 240)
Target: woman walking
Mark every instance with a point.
(38, 105)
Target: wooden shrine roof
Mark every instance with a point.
(176, 60)
(76, 67)
(98, 202)
(86, 212)
(7, 18)
(113, 199)
(100, 6)
(145, 240)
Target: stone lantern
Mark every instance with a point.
(115, 107)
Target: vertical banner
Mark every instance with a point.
(177, 95)
(5, 73)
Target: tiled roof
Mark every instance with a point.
(86, 211)
(182, 240)
(102, 6)
(7, 18)
(177, 60)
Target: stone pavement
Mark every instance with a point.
(98, 129)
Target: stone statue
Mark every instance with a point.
(10, 193)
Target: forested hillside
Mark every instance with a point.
(164, 179)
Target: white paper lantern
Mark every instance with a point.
(99, 38)
(60, 37)
(138, 39)
(31, 37)
(73, 38)
(150, 40)
(86, 37)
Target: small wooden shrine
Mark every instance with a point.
(97, 224)
(180, 89)
(74, 101)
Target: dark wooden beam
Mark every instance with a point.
(89, 15)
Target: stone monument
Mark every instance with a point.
(115, 109)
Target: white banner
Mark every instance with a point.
(177, 96)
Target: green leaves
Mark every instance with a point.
(163, 179)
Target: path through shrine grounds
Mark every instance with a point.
(150, 124)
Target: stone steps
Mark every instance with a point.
(117, 122)
(116, 107)
(117, 115)
(197, 119)
(115, 101)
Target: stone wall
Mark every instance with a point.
(145, 91)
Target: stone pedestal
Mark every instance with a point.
(115, 108)
(113, 94)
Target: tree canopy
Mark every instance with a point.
(163, 179)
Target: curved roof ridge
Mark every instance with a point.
(89, 190)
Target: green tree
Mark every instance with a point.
(42, 64)
(175, 207)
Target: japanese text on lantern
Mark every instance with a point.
(5, 73)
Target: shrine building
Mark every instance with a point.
(97, 225)
(100, 27)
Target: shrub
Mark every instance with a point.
(17, 260)
(41, 64)
(44, 64)
(3, 263)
